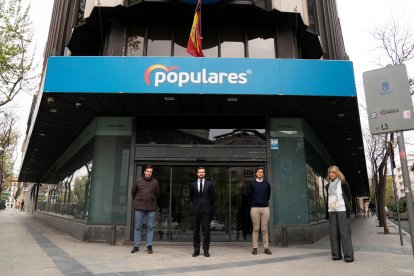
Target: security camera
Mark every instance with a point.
(50, 100)
(78, 105)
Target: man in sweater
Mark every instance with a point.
(145, 193)
(258, 197)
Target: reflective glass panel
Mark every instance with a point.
(232, 41)
(261, 43)
(202, 136)
(136, 37)
(231, 220)
(181, 34)
(70, 197)
(159, 40)
(210, 41)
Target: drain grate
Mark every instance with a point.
(383, 249)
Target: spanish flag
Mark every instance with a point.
(194, 41)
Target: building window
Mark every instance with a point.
(313, 18)
(247, 142)
(210, 41)
(261, 43)
(159, 40)
(232, 41)
(181, 34)
(136, 40)
(248, 173)
(81, 11)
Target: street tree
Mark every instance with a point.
(377, 153)
(8, 141)
(396, 46)
(16, 60)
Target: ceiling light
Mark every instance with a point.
(42, 134)
(50, 100)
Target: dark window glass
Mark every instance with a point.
(202, 136)
(232, 215)
(136, 41)
(261, 43)
(312, 17)
(70, 197)
(81, 12)
(159, 40)
(210, 41)
(232, 41)
(181, 35)
(248, 173)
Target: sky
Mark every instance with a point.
(358, 18)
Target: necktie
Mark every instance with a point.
(201, 185)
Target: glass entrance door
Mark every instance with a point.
(231, 220)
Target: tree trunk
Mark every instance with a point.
(381, 201)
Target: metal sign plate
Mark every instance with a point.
(388, 99)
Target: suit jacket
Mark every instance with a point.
(202, 202)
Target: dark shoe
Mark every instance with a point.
(149, 249)
(206, 254)
(268, 252)
(196, 253)
(254, 252)
(135, 249)
(336, 258)
(349, 259)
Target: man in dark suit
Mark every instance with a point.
(202, 196)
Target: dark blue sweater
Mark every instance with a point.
(259, 194)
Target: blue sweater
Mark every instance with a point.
(259, 194)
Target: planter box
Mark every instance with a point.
(404, 216)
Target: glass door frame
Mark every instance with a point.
(229, 236)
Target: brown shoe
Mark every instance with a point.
(268, 252)
(254, 252)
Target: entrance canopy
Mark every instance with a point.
(77, 89)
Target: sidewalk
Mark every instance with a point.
(28, 247)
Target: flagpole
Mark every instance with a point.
(201, 33)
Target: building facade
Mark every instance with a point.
(399, 181)
(119, 91)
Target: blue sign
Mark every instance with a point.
(188, 75)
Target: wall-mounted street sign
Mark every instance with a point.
(389, 105)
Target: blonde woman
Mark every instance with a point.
(338, 213)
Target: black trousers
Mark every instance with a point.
(202, 220)
(340, 235)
